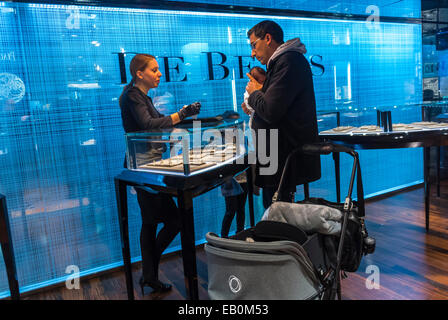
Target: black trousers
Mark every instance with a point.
(235, 204)
(155, 209)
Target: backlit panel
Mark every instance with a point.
(401, 8)
(61, 140)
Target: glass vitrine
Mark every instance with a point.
(187, 151)
(353, 120)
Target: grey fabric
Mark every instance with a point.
(290, 45)
(275, 247)
(241, 270)
(308, 217)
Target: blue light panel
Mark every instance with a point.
(400, 8)
(61, 140)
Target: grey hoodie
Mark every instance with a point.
(290, 45)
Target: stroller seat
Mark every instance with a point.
(265, 267)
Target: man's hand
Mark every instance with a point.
(246, 111)
(253, 84)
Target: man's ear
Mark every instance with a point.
(268, 38)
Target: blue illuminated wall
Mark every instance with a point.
(400, 8)
(61, 140)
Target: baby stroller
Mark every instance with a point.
(298, 251)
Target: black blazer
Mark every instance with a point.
(287, 103)
(138, 112)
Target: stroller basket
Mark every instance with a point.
(242, 270)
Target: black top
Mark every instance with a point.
(138, 112)
(287, 103)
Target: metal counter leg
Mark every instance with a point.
(8, 252)
(185, 203)
(426, 163)
(438, 170)
(336, 158)
(250, 195)
(122, 205)
(306, 190)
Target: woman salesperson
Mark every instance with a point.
(138, 113)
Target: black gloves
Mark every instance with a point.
(189, 110)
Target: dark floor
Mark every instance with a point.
(413, 264)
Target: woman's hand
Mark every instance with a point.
(190, 110)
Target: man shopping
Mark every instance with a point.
(285, 102)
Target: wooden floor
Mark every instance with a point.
(413, 264)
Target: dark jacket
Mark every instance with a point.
(287, 103)
(138, 112)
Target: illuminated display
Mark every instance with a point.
(402, 8)
(61, 139)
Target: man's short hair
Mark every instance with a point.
(267, 26)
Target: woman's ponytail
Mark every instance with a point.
(138, 63)
(126, 87)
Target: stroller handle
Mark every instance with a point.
(325, 148)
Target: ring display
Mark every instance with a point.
(423, 134)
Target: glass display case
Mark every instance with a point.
(188, 150)
(420, 117)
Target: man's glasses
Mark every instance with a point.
(252, 45)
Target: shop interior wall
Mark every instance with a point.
(61, 139)
(386, 8)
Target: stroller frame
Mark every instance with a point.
(333, 285)
(319, 262)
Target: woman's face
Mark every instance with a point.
(151, 75)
